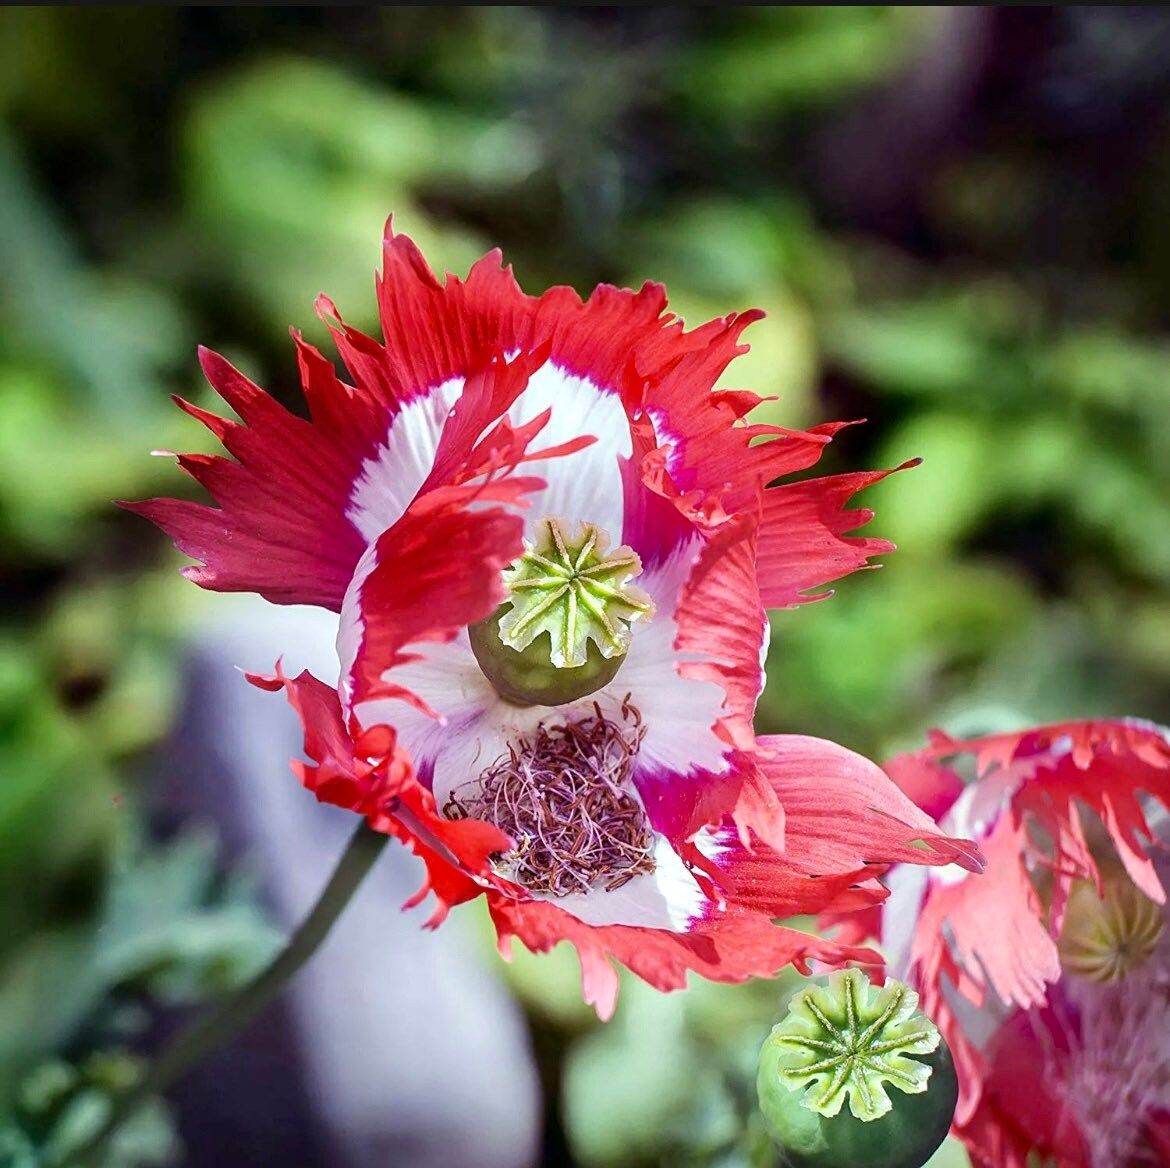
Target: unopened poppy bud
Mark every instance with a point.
(856, 1077)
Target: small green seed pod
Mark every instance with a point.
(564, 629)
(527, 677)
(846, 1041)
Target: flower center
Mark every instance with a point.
(568, 586)
(1106, 937)
(564, 796)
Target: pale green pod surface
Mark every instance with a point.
(856, 1077)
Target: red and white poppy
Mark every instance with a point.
(501, 467)
(1050, 974)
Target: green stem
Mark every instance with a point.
(212, 1030)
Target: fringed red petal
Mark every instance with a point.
(435, 571)
(721, 620)
(366, 786)
(802, 542)
(280, 528)
(737, 945)
(383, 788)
(438, 569)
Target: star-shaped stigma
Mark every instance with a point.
(572, 588)
(840, 1041)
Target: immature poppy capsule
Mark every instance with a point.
(873, 1047)
(563, 631)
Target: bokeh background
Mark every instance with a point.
(956, 219)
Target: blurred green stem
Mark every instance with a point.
(213, 1030)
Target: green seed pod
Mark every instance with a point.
(564, 630)
(527, 677)
(846, 1041)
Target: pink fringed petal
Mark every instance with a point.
(1001, 930)
(926, 783)
(994, 937)
(1107, 767)
(844, 814)
(996, 924)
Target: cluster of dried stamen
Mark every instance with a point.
(564, 797)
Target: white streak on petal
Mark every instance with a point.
(667, 898)
(665, 436)
(351, 628)
(586, 485)
(466, 736)
(391, 477)
(678, 712)
(908, 884)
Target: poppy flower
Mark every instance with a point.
(1050, 975)
(551, 545)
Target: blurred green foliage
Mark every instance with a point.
(168, 929)
(60, 1106)
(910, 204)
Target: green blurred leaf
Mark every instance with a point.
(889, 647)
(62, 465)
(294, 167)
(46, 993)
(47, 1129)
(941, 346)
(638, 1084)
(796, 55)
(936, 504)
(171, 926)
(109, 336)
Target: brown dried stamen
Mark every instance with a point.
(564, 796)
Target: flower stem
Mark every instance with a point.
(205, 1034)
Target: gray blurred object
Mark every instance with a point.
(394, 1048)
